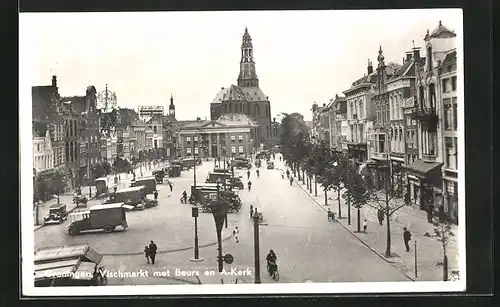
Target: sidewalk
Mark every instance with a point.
(429, 250)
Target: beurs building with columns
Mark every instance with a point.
(246, 98)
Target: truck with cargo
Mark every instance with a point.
(106, 217)
(149, 184)
(133, 196)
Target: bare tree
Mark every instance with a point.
(442, 231)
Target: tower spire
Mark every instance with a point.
(247, 76)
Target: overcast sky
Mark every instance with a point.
(301, 56)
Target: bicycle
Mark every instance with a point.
(273, 271)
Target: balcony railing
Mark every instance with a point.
(426, 115)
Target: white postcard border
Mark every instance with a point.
(27, 220)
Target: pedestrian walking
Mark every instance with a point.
(235, 233)
(249, 185)
(380, 215)
(251, 211)
(156, 194)
(365, 225)
(282, 176)
(171, 186)
(287, 174)
(248, 174)
(146, 253)
(152, 251)
(291, 180)
(430, 212)
(330, 215)
(406, 238)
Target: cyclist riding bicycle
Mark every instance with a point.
(271, 262)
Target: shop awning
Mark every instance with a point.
(420, 167)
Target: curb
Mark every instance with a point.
(167, 251)
(354, 235)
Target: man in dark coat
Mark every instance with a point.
(380, 215)
(152, 251)
(406, 238)
(251, 211)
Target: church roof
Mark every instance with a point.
(244, 94)
(253, 94)
(236, 119)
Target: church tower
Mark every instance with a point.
(247, 76)
(171, 107)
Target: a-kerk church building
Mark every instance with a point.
(240, 116)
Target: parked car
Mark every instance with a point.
(149, 184)
(133, 196)
(57, 214)
(270, 165)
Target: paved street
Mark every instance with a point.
(169, 224)
(308, 247)
(429, 249)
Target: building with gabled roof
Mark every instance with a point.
(246, 97)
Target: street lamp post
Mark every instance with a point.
(194, 213)
(256, 247)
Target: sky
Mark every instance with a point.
(301, 57)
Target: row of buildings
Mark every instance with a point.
(402, 118)
(72, 135)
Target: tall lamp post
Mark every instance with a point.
(256, 247)
(196, 258)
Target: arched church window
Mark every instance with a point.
(256, 110)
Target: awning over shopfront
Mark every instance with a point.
(423, 169)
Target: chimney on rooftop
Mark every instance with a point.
(370, 67)
(416, 53)
(54, 81)
(408, 56)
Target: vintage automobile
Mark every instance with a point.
(159, 175)
(133, 196)
(149, 184)
(174, 170)
(57, 214)
(80, 200)
(235, 183)
(102, 185)
(270, 165)
(76, 265)
(213, 177)
(106, 217)
(238, 163)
